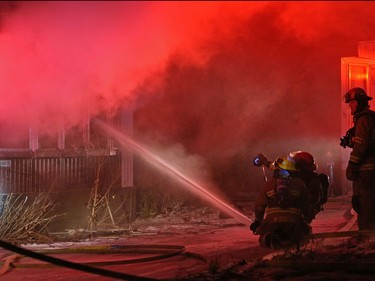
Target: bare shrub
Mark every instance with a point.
(100, 214)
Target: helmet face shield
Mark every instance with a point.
(282, 174)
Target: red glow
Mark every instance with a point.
(221, 78)
(59, 57)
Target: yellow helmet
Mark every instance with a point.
(286, 163)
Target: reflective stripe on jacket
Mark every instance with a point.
(363, 153)
(284, 215)
(267, 201)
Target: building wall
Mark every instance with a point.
(56, 173)
(69, 171)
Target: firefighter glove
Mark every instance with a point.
(260, 160)
(352, 171)
(355, 204)
(254, 226)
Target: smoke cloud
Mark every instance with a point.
(63, 56)
(226, 80)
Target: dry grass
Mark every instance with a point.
(24, 219)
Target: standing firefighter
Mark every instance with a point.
(282, 208)
(361, 166)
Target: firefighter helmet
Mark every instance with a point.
(285, 163)
(304, 160)
(357, 94)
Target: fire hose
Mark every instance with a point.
(161, 251)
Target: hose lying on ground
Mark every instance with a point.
(83, 267)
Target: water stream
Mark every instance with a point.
(127, 142)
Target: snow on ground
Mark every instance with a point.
(216, 248)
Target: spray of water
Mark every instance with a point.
(127, 142)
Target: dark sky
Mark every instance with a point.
(211, 82)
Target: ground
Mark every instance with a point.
(205, 245)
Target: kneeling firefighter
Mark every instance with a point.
(317, 183)
(282, 208)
